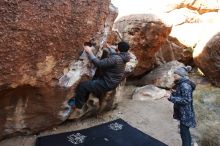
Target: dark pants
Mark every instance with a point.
(97, 87)
(185, 135)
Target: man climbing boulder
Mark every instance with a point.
(113, 71)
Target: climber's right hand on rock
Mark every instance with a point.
(107, 45)
(88, 49)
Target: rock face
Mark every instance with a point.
(189, 17)
(199, 15)
(201, 6)
(161, 76)
(145, 34)
(171, 50)
(40, 42)
(207, 58)
(148, 92)
(114, 37)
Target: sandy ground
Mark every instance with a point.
(153, 117)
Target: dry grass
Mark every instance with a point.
(207, 108)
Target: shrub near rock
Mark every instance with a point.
(207, 109)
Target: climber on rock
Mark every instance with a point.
(113, 70)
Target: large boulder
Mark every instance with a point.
(189, 34)
(145, 34)
(207, 58)
(161, 76)
(201, 6)
(181, 16)
(40, 43)
(114, 37)
(171, 50)
(189, 17)
(211, 17)
(148, 92)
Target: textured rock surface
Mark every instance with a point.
(161, 76)
(148, 92)
(171, 50)
(201, 6)
(143, 113)
(190, 34)
(145, 34)
(189, 17)
(207, 58)
(114, 37)
(40, 42)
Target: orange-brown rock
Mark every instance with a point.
(145, 34)
(114, 37)
(201, 6)
(40, 42)
(207, 57)
(171, 50)
(193, 19)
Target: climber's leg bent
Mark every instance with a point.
(82, 93)
(76, 104)
(97, 87)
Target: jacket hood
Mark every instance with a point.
(186, 80)
(125, 56)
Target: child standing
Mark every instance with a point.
(183, 103)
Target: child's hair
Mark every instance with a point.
(90, 44)
(183, 71)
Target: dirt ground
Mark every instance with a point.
(153, 117)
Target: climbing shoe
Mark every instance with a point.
(72, 102)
